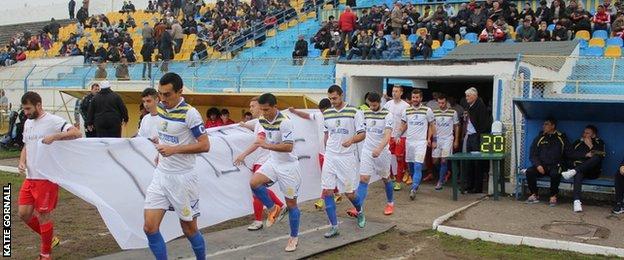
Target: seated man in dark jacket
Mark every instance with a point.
(586, 161)
(301, 51)
(422, 46)
(547, 158)
(619, 190)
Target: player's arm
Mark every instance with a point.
(431, 133)
(250, 149)
(22, 161)
(384, 141)
(301, 114)
(245, 125)
(360, 130)
(201, 146)
(284, 147)
(70, 134)
(403, 126)
(457, 134)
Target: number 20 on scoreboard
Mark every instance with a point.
(492, 143)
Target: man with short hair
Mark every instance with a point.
(547, 155)
(282, 167)
(344, 126)
(447, 135)
(149, 123)
(263, 156)
(396, 106)
(585, 157)
(181, 135)
(477, 121)
(38, 196)
(417, 123)
(107, 112)
(375, 156)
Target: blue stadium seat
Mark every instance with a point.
(472, 37)
(600, 34)
(593, 51)
(439, 53)
(583, 44)
(412, 38)
(448, 45)
(617, 41)
(551, 27)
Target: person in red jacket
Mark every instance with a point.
(491, 33)
(21, 55)
(213, 118)
(602, 19)
(346, 23)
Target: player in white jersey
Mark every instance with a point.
(38, 196)
(282, 167)
(375, 155)
(149, 123)
(397, 106)
(417, 123)
(263, 156)
(344, 126)
(181, 135)
(447, 137)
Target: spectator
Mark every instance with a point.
(130, 22)
(463, 16)
(491, 33)
(46, 44)
(361, 45)
(557, 11)
(396, 18)
(178, 35)
(4, 101)
(422, 46)
(395, 48)
(53, 28)
(113, 54)
(452, 31)
(408, 25)
(127, 7)
(450, 12)
(543, 34)
(247, 117)
(151, 8)
(477, 20)
(84, 108)
(20, 55)
(502, 24)
(609, 8)
(347, 23)
(601, 20)
(107, 112)
(147, 50)
(213, 118)
(547, 154)
(528, 10)
(496, 11)
(378, 47)
(478, 121)
(581, 20)
(437, 29)
(225, 117)
(100, 72)
(585, 160)
(323, 40)
(121, 70)
(542, 13)
(526, 32)
(101, 53)
(166, 50)
(617, 28)
(200, 52)
(89, 52)
(147, 33)
(560, 33)
(301, 51)
(619, 190)
(72, 9)
(189, 26)
(83, 15)
(128, 53)
(33, 44)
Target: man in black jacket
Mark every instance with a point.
(548, 152)
(619, 190)
(84, 108)
(146, 52)
(72, 9)
(301, 51)
(585, 159)
(107, 112)
(477, 121)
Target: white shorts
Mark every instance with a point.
(415, 151)
(379, 165)
(286, 175)
(340, 171)
(444, 148)
(176, 192)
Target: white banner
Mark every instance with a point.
(113, 174)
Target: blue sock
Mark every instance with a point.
(330, 208)
(443, 170)
(390, 191)
(198, 245)
(357, 203)
(293, 218)
(157, 245)
(262, 194)
(416, 174)
(362, 191)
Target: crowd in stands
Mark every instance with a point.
(381, 32)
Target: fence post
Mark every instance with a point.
(84, 78)
(26, 78)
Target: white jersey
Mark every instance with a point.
(376, 124)
(397, 110)
(341, 125)
(417, 119)
(445, 121)
(263, 154)
(34, 131)
(280, 130)
(318, 116)
(180, 125)
(149, 127)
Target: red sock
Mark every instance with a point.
(47, 232)
(34, 224)
(257, 208)
(275, 199)
(400, 169)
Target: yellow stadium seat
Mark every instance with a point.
(613, 52)
(597, 42)
(271, 33)
(312, 14)
(325, 53)
(282, 26)
(249, 44)
(463, 42)
(292, 23)
(435, 45)
(583, 34)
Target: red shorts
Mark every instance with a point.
(255, 168)
(42, 194)
(321, 159)
(397, 150)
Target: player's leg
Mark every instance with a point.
(294, 216)
(258, 187)
(45, 195)
(416, 178)
(443, 172)
(401, 163)
(151, 226)
(328, 184)
(190, 230)
(26, 209)
(257, 208)
(289, 181)
(347, 178)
